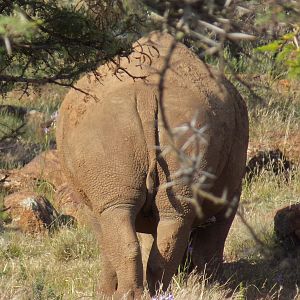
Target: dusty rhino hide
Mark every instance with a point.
(111, 141)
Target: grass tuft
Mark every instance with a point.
(70, 244)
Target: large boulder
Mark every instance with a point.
(287, 226)
(30, 212)
(45, 166)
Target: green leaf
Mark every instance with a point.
(16, 25)
(294, 72)
(271, 47)
(294, 65)
(285, 53)
(289, 36)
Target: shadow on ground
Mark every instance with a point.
(274, 278)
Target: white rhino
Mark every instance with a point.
(106, 140)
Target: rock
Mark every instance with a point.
(45, 166)
(10, 180)
(287, 226)
(70, 203)
(35, 118)
(31, 213)
(270, 160)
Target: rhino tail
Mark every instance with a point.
(149, 118)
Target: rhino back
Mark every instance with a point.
(107, 150)
(117, 124)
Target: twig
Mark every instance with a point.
(12, 134)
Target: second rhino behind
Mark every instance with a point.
(110, 142)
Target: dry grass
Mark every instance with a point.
(275, 120)
(62, 266)
(268, 267)
(65, 265)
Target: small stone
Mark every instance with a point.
(70, 203)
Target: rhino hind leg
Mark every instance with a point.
(122, 255)
(207, 243)
(166, 253)
(108, 283)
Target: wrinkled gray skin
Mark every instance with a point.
(106, 144)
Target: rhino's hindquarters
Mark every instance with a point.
(109, 166)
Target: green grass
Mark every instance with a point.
(31, 139)
(8, 124)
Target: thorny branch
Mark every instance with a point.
(59, 54)
(13, 132)
(189, 166)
